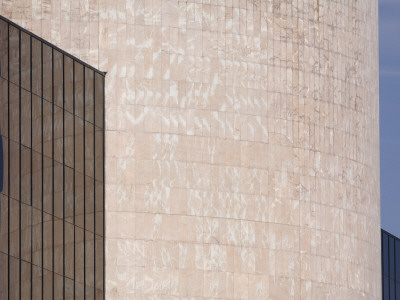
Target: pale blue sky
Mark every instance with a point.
(389, 52)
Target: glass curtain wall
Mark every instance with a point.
(52, 197)
(390, 266)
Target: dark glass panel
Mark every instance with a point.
(4, 50)
(89, 95)
(386, 288)
(58, 134)
(99, 267)
(69, 139)
(99, 154)
(68, 84)
(58, 78)
(3, 276)
(69, 195)
(79, 291)
(392, 289)
(26, 118)
(99, 206)
(89, 149)
(36, 67)
(385, 254)
(47, 242)
(89, 201)
(36, 283)
(14, 112)
(79, 199)
(79, 255)
(5, 171)
(58, 246)
(397, 290)
(37, 237)
(397, 260)
(47, 285)
(4, 107)
(26, 175)
(58, 190)
(78, 90)
(89, 263)
(36, 124)
(14, 54)
(69, 289)
(4, 224)
(47, 72)
(14, 170)
(98, 100)
(391, 257)
(47, 129)
(36, 180)
(69, 250)
(58, 287)
(14, 228)
(47, 185)
(79, 142)
(25, 280)
(14, 278)
(25, 61)
(26, 232)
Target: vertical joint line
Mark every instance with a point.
(31, 168)
(52, 165)
(20, 166)
(42, 163)
(8, 160)
(84, 182)
(63, 159)
(73, 175)
(94, 185)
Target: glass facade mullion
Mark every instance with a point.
(52, 178)
(63, 168)
(73, 174)
(94, 185)
(84, 185)
(8, 159)
(20, 167)
(42, 273)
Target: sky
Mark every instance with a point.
(389, 78)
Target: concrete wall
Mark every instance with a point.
(242, 151)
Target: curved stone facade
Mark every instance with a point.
(242, 144)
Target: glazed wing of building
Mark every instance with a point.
(52, 201)
(390, 266)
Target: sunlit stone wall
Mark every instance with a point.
(242, 144)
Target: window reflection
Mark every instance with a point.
(25, 61)
(25, 280)
(4, 49)
(36, 282)
(13, 51)
(4, 107)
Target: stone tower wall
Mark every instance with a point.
(242, 144)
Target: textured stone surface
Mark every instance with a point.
(242, 143)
